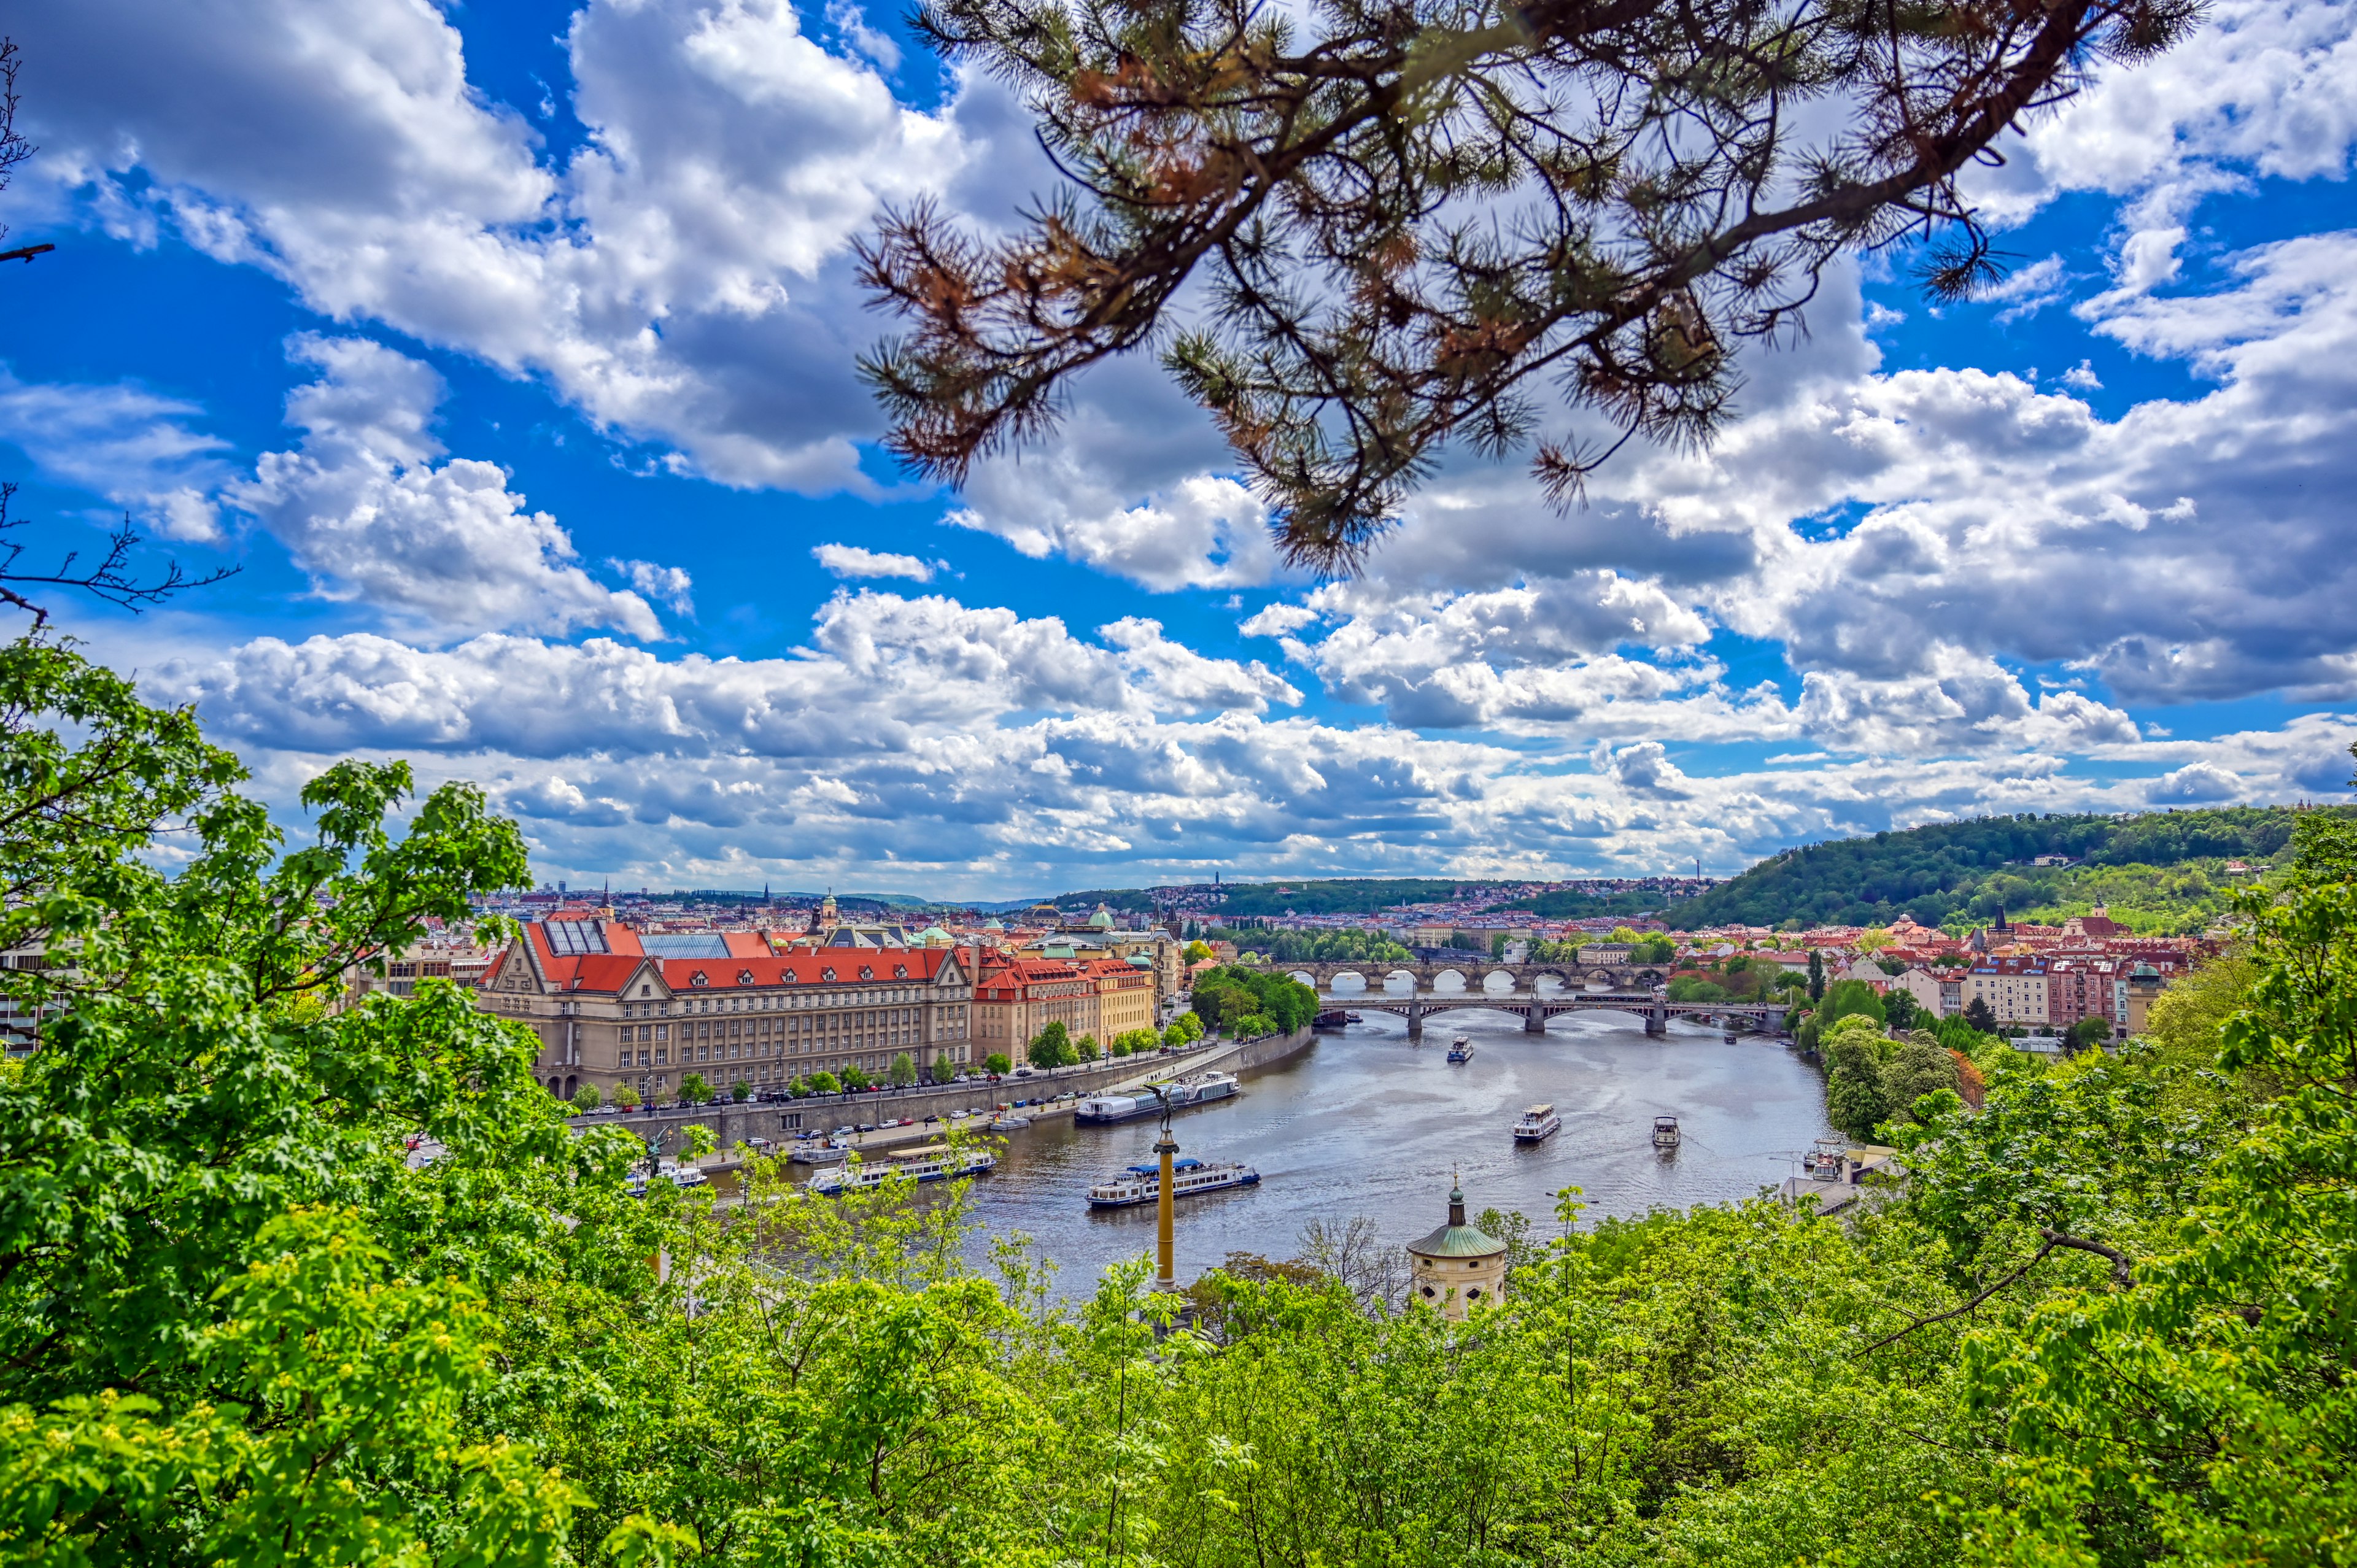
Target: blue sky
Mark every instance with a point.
(506, 351)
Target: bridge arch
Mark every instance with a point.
(1499, 981)
(1399, 983)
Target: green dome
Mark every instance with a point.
(1457, 1239)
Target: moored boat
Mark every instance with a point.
(1142, 1183)
(1825, 1161)
(1665, 1131)
(1113, 1110)
(1538, 1124)
(933, 1163)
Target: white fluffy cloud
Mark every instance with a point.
(445, 548)
(679, 279)
(978, 749)
(854, 561)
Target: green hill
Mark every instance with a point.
(2158, 871)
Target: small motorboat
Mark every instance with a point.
(1460, 1049)
(1665, 1131)
(1824, 1161)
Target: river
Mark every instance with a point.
(1364, 1123)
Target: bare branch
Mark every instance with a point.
(110, 579)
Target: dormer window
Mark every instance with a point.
(826, 974)
(866, 973)
(744, 977)
(699, 978)
(899, 971)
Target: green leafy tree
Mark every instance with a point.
(825, 1083)
(1899, 1009)
(903, 1070)
(1086, 1048)
(741, 1091)
(587, 1099)
(216, 1259)
(855, 1079)
(625, 1095)
(1252, 1025)
(1858, 1100)
(693, 1090)
(1849, 998)
(997, 1062)
(1051, 1046)
(2087, 1033)
(1980, 1016)
(945, 1069)
(1816, 974)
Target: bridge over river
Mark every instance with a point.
(1578, 989)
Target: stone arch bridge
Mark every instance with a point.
(1581, 989)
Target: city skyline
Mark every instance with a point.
(510, 357)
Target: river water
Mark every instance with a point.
(1364, 1123)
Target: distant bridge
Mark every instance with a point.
(1652, 1003)
(1576, 976)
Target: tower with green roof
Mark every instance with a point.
(1458, 1266)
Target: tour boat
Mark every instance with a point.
(1460, 1049)
(1112, 1110)
(1142, 1183)
(933, 1163)
(1824, 1161)
(1665, 1131)
(1538, 1124)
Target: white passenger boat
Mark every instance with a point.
(1113, 1110)
(1460, 1049)
(1665, 1131)
(1142, 1183)
(932, 1163)
(1538, 1124)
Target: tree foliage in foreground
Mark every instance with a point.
(1405, 219)
(2108, 1321)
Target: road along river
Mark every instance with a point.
(1366, 1124)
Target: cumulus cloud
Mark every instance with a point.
(444, 548)
(673, 279)
(852, 560)
(978, 750)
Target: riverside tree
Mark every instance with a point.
(1437, 221)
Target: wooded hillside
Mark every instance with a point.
(1968, 870)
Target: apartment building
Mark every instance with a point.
(2014, 987)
